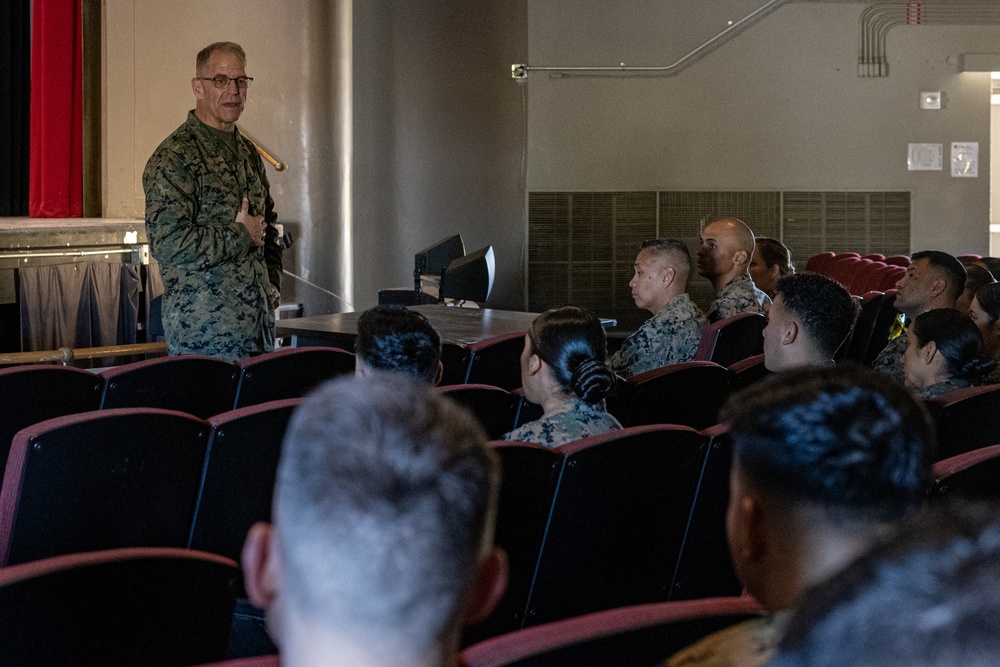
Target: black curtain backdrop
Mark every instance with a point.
(15, 76)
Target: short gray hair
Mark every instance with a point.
(384, 507)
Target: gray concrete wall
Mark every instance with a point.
(779, 107)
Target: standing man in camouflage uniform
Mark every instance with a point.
(210, 221)
(724, 258)
(672, 334)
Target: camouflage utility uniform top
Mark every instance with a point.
(747, 644)
(739, 295)
(216, 297)
(574, 419)
(936, 390)
(671, 336)
(890, 360)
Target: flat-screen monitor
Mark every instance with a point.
(434, 259)
(471, 277)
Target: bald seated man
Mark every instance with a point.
(382, 541)
(659, 285)
(724, 258)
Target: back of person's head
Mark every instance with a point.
(774, 253)
(929, 596)
(395, 338)
(988, 298)
(845, 440)
(991, 264)
(948, 267)
(572, 342)
(975, 277)
(957, 339)
(383, 508)
(824, 308)
(674, 251)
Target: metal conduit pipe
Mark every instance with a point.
(520, 71)
(878, 19)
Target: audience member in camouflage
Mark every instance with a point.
(933, 279)
(563, 370)
(985, 312)
(724, 257)
(210, 221)
(672, 335)
(573, 419)
(739, 295)
(944, 352)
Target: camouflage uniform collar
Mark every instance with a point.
(678, 300)
(206, 134)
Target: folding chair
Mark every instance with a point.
(732, 339)
(495, 408)
(969, 419)
(861, 335)
(973, 475)
(32, 394)
(689, 394)
(455, 359)
(745, 372)
(237, 482)
(883, 325)
(118, 607)
(101, 480)
(818, 263)
(528, 484)
(496, 361)
(618, 520)
(200, 386)
(637, 635)
(290, 372)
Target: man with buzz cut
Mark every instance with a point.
(934, 279)
(382, 543)
(809, 320)
(724, 258)
(672, 334)
(824, 461)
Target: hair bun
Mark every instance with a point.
(977, 368)
(592, 380)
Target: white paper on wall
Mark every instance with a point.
(965, 159)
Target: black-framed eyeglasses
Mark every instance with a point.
(222, 81)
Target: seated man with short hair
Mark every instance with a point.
(824, 460)
(672, 334)
(382, 542)
(810, 318)
(394, 338)
(724, 256)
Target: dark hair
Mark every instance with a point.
(774, 252)
(992, 264)
(846, 439)
(221, 47)
(571, 341)
(825, 308)
(988, 297)
(674, 247)
(958, 339)
(394, 338)
(977, 276)
(927, 596)
(954, 272)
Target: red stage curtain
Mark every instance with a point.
(55, 188)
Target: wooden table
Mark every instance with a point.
(458, 325)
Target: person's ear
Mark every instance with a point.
(197, 86)
(774, 271)
(489, 586)
(928, 351)
(439, 374)
(741, 257)
(534, 364)
(669, 274)
(260, 565)
(751, 524)
(791, 332)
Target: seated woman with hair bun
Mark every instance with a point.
(563, 370)
(944, 352)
